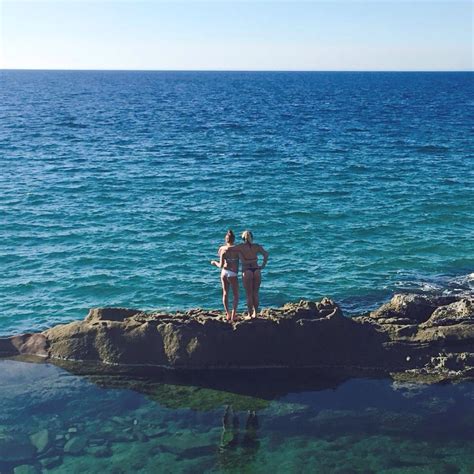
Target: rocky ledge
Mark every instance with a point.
(412, 336)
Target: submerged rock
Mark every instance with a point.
(41, 440)
(15, 449)
(100, 451)
(75, 445)
(50, 462)
(26, 469)
(406, 334)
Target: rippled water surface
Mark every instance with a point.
(116, 188)
(63, 423)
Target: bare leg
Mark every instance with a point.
(247, 278)
(234, 283)
(225, 296)
(257, 279)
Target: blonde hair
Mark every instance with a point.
(247, 236)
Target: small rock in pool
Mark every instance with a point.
(75, 445)
(154, 432)
(100, 451)
(49, 463)
(26, 469)
(41, 440)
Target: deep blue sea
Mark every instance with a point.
(116, 188)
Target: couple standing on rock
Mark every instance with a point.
(229, 257)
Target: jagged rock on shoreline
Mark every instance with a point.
(415, 334)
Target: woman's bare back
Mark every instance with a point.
(230, 256)
(249, 254)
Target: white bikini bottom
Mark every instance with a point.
(228, 273)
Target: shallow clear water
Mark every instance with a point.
(120, 425)
(116, 188)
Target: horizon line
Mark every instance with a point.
(241, 70)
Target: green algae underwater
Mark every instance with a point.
(55, 421)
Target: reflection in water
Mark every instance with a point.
(263, 384)
(250, 440)
(230, 429)
(56, 422)
(236, 448)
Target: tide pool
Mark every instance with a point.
(54, 420)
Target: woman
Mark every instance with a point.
(229, 264)
(251, 271)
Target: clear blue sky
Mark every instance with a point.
(225, 35)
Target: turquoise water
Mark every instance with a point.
(116, 188)
(120, 425)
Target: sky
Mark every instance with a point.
(237, 35)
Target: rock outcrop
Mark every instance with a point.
(415, 334)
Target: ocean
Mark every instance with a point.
(116, 188)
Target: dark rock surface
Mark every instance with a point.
(414, 334)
